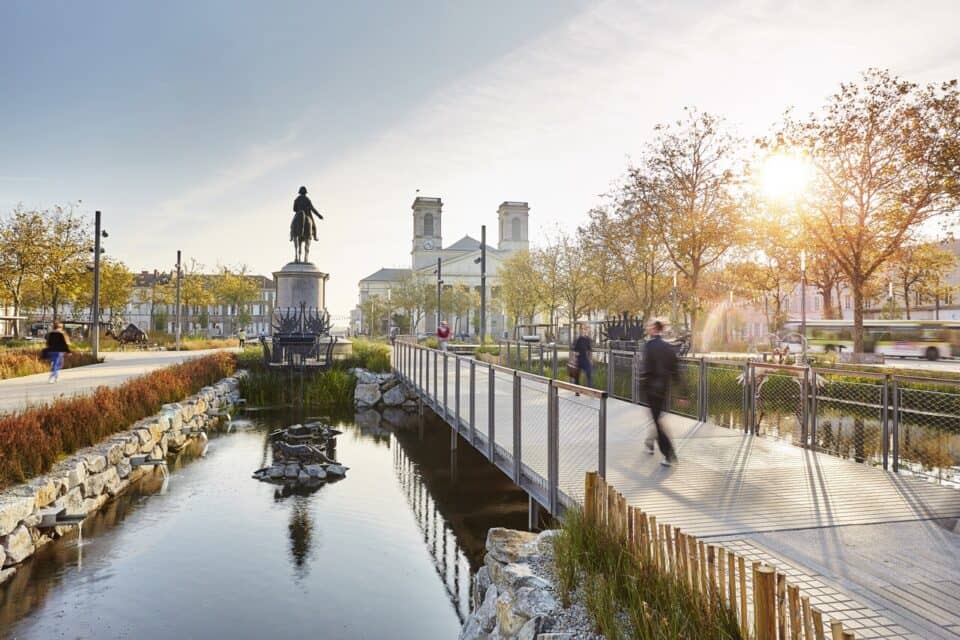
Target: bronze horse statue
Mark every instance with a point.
(303, 227)
(132, 334)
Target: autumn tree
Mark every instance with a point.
(116, 290)
(20, 261)
(519, 291)
(687, 187)
(918, 267)
(416, 296)
(236, 289)
(574, 277)
(882, 169)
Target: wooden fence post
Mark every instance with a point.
(704, 573)
(817, 623)
(765, 602)
(722, 575)
(793, 599)
(744, 626)
(807, 618)
(836, 629)
(782, 605)
(712, 571)
(694, 565)
(590, 497)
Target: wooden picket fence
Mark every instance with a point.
(779, 610)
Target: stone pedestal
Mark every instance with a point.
(300, 283)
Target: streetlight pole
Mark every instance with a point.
(177, 325)
(483, 284)
(439, 287)
(803, 302)
(95, 311)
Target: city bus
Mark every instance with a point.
(930, 339)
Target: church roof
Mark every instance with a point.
(466, 243)
(388, 275)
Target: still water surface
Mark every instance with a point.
(385, 553)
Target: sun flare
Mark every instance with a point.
(785, 176)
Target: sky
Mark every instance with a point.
(191, 125)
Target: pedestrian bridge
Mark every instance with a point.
(729, 484)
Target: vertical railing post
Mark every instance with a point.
(747, 399)
(517, 439)
(635, 363)
(814, 408)
(491, 413)
(602, 438)
(540, 366)
(885, 422)
(473, 401)
(804, 412)
(436, 378)
(553, 446)
(556, 366)
(704, 387)
(609, 370)
(456, 391)
(426, 374)
(446, 413)
(530, 357)
(896, 426)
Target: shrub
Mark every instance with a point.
(24, 362)
(373, 356)
(31, 441)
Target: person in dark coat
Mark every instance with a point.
(57, 345)
(660, 369)
(582, 347)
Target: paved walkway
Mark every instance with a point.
(118, 367)
(874, 548)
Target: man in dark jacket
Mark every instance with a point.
(57, 345)
(660, 369)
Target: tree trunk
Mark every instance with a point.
(906, 301)
(827, 294)
(857, 316)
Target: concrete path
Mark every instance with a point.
(118, 367)
(872, 548)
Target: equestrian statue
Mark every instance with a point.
(303, 227)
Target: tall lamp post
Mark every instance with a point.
(177, 321)
(483, 283)
(803, 302)
(439, 288)
(95, 308)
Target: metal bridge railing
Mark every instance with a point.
(513, 417)
(900, 423)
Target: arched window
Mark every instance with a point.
(428, 224)
(516, 232)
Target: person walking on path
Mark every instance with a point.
(582, 348)
(57, 345)
(443, 335)
(242, 337)
(660, 369)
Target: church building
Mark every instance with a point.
(459, 265)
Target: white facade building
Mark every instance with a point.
(459, 264)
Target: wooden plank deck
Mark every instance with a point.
(755, 490)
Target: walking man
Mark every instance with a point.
(660, 369)
(583, 348)
(242, 337)
(57, 345)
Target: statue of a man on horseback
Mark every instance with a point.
(303, 227)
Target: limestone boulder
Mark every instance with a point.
(531, 602)
(17, 546)
(93, 486)
(131, 444)
(366, 395)
(124, 468)
(487, 613)
(509, 622)
(113, 451)
(394, 397)
(291, 471)
(72, 501)
(389, 382)
(13, 509)
(95, 462)
(365, 377)
(112, 482)
(508, 545)
(93, 504)
(315, 471)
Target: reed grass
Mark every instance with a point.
(15, 363)
(33, 440)
(627, 597)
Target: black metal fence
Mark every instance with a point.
(902, 423)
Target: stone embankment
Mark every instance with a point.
(84, 482)
(513, 595)
(382, 390)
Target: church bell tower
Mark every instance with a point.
(427, 239)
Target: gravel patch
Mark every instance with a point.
(574, 620)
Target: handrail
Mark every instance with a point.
(584, 391)
(853, 374)
(955, 383)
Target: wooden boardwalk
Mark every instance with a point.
(754, 491)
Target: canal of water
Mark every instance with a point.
(385, 553)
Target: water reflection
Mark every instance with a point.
(249, 550)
